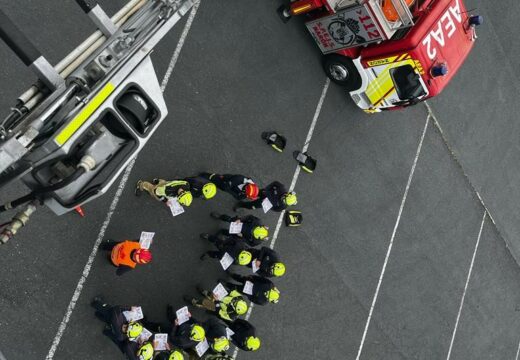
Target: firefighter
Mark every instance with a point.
(229, 308)
(174, 354)
(118, 329)
(126, 255)
(134, 351)
(268, 262)
(278, 196)
(216, 335)
(244, 336)
(253, 231)
(235, 248)
(202, 187)
(165, 191)
(240, 186)
(263, 291)
(187, 335)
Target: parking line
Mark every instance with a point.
(403, 201)
(115, 201)
(466, 285)
(294, 181)
(517, 351)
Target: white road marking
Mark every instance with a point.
(403, 201)
(517, 351)
(466, 285)
(2, 357)
(294, 180)
(115, 201)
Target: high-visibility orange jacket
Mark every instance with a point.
(121, 253)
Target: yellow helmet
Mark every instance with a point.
(290, 198)
(209, 190)
(176, 355)
(239, 305)
(273, 295)
(244, 257)
(261, 232)
(197, 333)
(220, 344)
(278, 269)
(253, 343)
(185, 198)
(145, 352)
(133, 330)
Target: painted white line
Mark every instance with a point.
(113, 205)
(403, 201)
(517, 351)
(466, 286)
(2, 357)
(294, 181)
(180, 44)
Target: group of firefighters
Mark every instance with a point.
(235, 245)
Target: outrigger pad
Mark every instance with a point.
(275, 140)
(307, 163)
(293, 218)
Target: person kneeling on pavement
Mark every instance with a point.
(229, 308)
(165, 191)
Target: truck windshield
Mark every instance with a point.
(407, 82)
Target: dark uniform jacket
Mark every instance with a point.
(232, 246)
(268, 257)
(196, 185)
(274, 192)
(180, 335)
(233, 184)
(243, 330)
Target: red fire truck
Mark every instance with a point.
(389, 54)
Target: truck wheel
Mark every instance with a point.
(342, 71)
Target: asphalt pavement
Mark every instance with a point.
(397, 258)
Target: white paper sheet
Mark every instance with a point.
(160, 342)
(248, 288)
(202, 347)
(183, 315)
(175, 207)
(226, 261)
(266, 205)
(220, 292)
(146, 239)
(135, 314)
(235, 227)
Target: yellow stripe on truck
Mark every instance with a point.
(84, 114)
(379, 88)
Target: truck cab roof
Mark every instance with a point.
(441, 35)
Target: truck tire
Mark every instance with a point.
(342, 71)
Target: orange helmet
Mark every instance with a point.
(142, 256)
(252, 191)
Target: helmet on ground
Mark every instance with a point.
(278, 269)
(252, 191)
(273, 295)
(197, 333)
(220, 344)
(290, 198)
(252, 343)
(244, 257)
(185, 198)
(145, 352)
(133, 330)
(142, 256)
(209, 190)
(261, 232)
(176, 355)
(239, 305)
